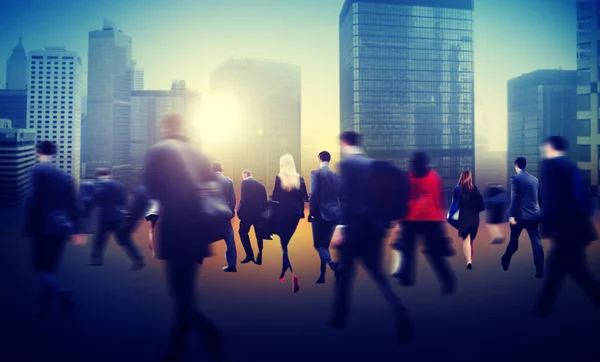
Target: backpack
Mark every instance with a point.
(390, 190)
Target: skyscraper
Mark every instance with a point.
(17, 151)
(406, 80)
(13, 106)
(16, 71)
(137, 78)
(588, 122)
(257, 104)
(109, 101)
(540, 104)
(54, 104)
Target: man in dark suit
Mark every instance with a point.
(566, 214)
(229, 192)
(361, 235)
(524, 214)
(254, 196)
(324, 210)
(111, 198)
(172, 173)
(52, 215)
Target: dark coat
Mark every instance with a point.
(291, 203)
(111, 198)
(470, 205)
(524, 199)
(228, 191)
(254, 196)
(355, 188)
(325, 194)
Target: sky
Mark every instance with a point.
(187, 39)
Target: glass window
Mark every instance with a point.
(583, 153)
(583, 102)
(583, 128)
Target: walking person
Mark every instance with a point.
(360, 236)
(426, 216)
(470, 203)
(566, 214)
(254, 196)
(524, 214)
(496, 200)
(173, 170)
(229, 192)
(112, 200)
(324, 210)
(151, 218)
(290, 193)
(52, 215)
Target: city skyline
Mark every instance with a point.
(283, 36)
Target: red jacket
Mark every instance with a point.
(426, 198)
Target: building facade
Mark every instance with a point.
(109, 101)
(16, 69)
(588, 121)
(540, 104)
(54, 104)
(137, 78)
(13, 106)
(262, 101)
(17, 157)
(406, 80)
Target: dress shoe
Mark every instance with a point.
(259, 259)
(230, 269)
(321, 279)
(498, 241)
(95, 263)
(469, 266)
(505, 263)
(247, 260)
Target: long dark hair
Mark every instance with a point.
(466, 181)
(419, 164)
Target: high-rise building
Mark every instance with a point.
(137, 78)
(406, 80)
(5, 123)
(13, 106)
(149, 107)
(588, 77)
(540, 104)
(16, 68)
(54, 104)
(257, 104)
(17, 152)
(109, 101)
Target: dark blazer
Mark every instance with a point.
(470, 205)
(254, 196)
(355, 188)
(566, 206)
(524, 199)
(291, 203)
(325, 194)
(169, 180)
(52, 190)
(228, 191)
(111, 198)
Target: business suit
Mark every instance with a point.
(172, 172)
(254, 196)
(324, 211)
(363, 238)
(52, 193)
(566, 215)
(228, 191)
(525, 209)
(111, 198)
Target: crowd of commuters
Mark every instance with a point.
(193, 204)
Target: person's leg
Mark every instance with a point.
(344, 279)
(245, 239)
(467, 248)
(284, 239)
(126, 242)
(434, 237)
(259, 242)
(582, 275)
(473, 235)
(513, 245)
(556, 269)
(231, 252)
(99, 245)
(406, 272)
(537, 248)
(320, 229)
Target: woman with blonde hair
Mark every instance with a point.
(290, 193)
(470, 203)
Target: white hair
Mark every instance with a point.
(290, 179)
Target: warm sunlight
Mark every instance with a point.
(220, 118)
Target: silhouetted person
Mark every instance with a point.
(360, 235)
(112, 201)
(470, 205)
(566, 214)
(524, 214)
(426, 216)
(496, 201)
(172, 172)
(52, 215)
(87, 223)
(254, 196)
(290, 193)
(229, 192)
(152, 216)
(324, 210)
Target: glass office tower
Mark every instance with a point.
(406, 80)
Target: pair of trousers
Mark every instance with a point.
(123, 239)
(534, 237)
(322, 233)
(245, 226)
(231, 252)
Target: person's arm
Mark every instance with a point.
(512, 209)
(313, 199)
(243, 197)
(303, 190)
(276, 195)
(232, 198)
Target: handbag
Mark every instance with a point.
(266, 221)
(453, 214)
